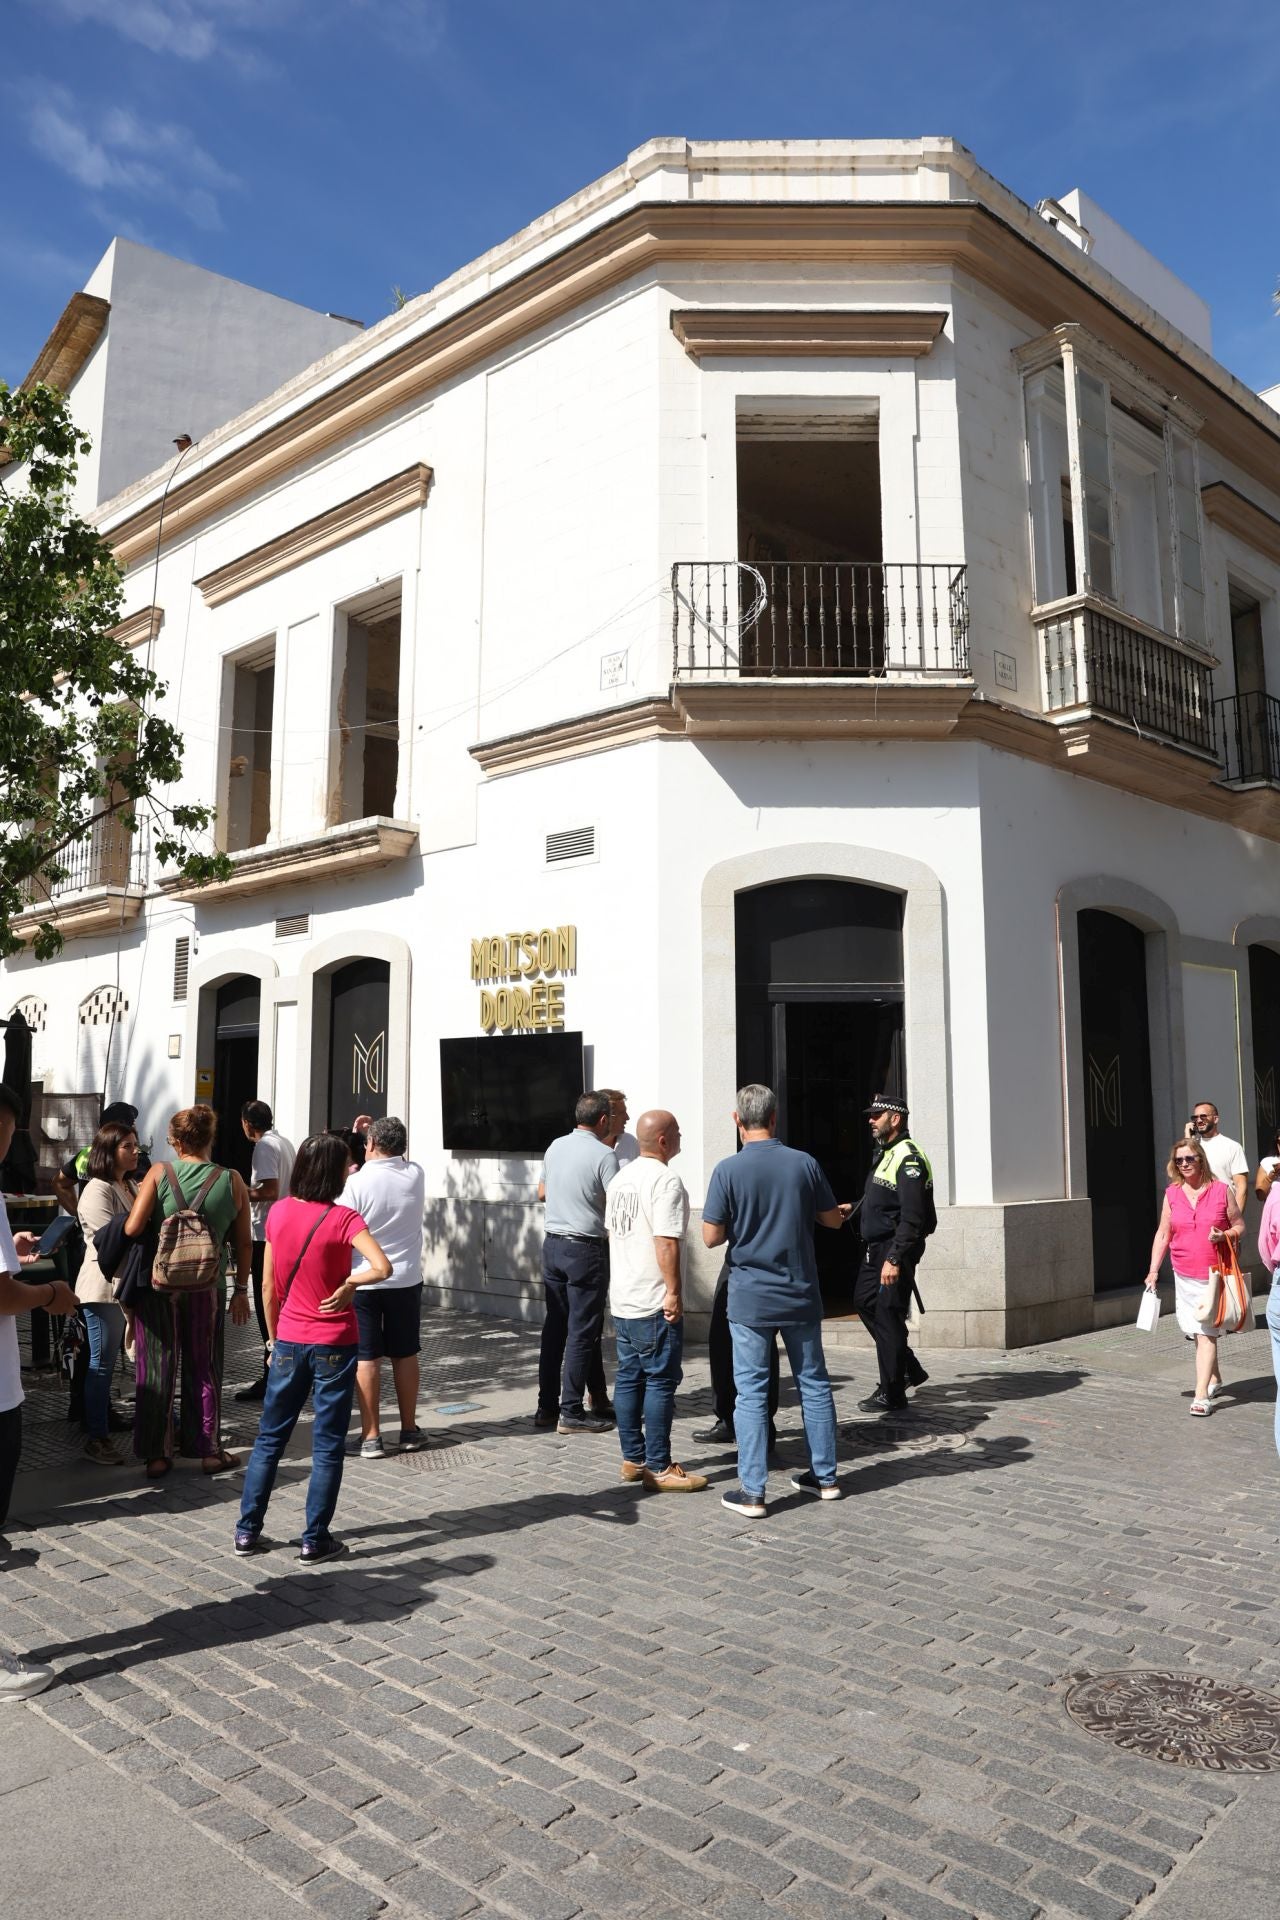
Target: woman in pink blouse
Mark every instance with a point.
(1269, 1254)
(1197, 1214)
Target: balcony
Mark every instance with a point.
(1249, 732)
(101, 883)
(817, 619)
(1098, 661)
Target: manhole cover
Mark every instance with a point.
(436, 1459)
(915, 1433)
(1181, 1717)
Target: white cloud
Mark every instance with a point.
(200, 29)
(187, 29)
(158, 162)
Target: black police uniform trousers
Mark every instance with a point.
(883, 1311)
(724, 1393)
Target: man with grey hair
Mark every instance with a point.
(762, 1203)
(388, 1191)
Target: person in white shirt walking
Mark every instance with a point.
(269, 1171)
(647, 1216)
(1226, 1157)
(388, 1191)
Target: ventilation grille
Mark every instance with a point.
(292, 923)
(575, 843)
(181, 962)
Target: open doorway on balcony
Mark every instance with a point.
(1251, 720)
(251, 695)
(809, 533)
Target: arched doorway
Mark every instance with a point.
(820, 1018)
(1264, 1011)
(1118, 1129)
(237, 1019)
(359, 1012)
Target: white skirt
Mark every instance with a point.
(1188, 1295)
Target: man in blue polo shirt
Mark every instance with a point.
(763, 1202)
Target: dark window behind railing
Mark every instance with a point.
(1096, 660)
(818, 618)
(109, 856)
(1249, 731)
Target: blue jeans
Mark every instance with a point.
(329, 1374)
(105, 1322)
(817, 1406)
(1273, 1327)
(644, 1387)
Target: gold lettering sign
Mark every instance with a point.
(531, 955)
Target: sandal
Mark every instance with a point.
(157, 1468)
(220, 1462)
(1202, 1408)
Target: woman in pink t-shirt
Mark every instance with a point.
(1199, 1213)
(307, 1290)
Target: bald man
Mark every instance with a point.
(646, 1217)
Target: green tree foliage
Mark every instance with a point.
(80, 741)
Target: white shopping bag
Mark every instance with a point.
(1149, 1310)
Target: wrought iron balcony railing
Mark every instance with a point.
(1100, 658)
(109, 856)
(817, 618)
(1249, 732)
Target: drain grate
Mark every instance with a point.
(1183, 1718)
(916, 1433)
(438, 1459)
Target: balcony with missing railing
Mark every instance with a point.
(1098, 660)
(94, 884)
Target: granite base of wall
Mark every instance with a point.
(997, 1276)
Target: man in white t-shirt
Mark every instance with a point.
(19, 1679)
(269, 1171)
(1226, 1157)
(646, 1217)
(388, 1191)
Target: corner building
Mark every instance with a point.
(794, 612)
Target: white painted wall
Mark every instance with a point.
(1115, 249)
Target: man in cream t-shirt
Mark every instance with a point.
(646, 1216)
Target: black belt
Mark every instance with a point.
(591, 1239)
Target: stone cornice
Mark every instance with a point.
(138, 627)
(98, 910)
(1254, 525)
(805, 332)
(1084, 742)
(75, 335)
(334, 855)
(951, 234)
(361, 512)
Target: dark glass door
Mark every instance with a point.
(1264, 1009)
(361, 1000)
(1119, 1142)
(235, 1068)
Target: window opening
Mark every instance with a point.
(368, 714)
(248, 809)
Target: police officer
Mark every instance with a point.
(898, 1216)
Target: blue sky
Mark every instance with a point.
(329, 149)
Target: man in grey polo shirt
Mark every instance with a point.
(575, 1173)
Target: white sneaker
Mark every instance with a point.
(21, 1679)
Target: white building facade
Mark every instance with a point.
(790, 614)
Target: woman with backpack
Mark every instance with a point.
(307, 1291)
(202, 1212)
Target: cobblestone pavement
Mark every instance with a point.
(531, 1691)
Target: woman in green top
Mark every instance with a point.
(184, 1331)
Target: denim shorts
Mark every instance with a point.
(387, 1321)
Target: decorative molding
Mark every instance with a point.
(357, 515)
(955, 234)
(98, 910)
(75, 335)
(1082, 741)
(359, 848)
(139, 627)
(1251, 523)
(755, 332)
(1118, 368)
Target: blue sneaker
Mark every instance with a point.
(750, 1505)
(808, 1482)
